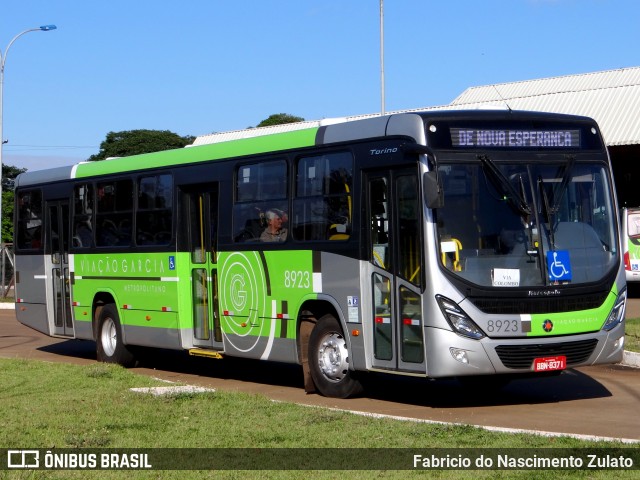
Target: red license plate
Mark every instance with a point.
(548, 364)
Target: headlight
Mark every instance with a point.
(459, 321)
(617, 312)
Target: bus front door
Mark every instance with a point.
(57, 262)
(396, 326)
(202, 205)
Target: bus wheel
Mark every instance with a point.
(329, 360)
(110, 348)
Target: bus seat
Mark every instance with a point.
(338, 231)
(253, 228)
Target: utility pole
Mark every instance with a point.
(382, 109)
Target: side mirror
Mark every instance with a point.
(433, 192)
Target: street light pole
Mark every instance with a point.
(382, 108)
(3, 60)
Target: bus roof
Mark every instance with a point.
(248, 146)
(410, 124)
(367, 128)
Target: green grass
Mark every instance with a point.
(47, 405)
(632, 335)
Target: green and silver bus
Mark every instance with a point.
(467, 244)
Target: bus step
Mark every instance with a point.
(201, 352)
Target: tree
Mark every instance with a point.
(279, 119)
(134, 142)
(9, 174)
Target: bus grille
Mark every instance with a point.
(522, 356)
(539, 305)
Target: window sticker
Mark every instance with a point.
(505, 277)
(559, 265)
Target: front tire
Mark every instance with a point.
(329, 360)
(110, 347)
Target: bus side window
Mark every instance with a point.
(114, 201)
(83, 216)
(259, 187)
(153, 213)
(29, 226)
(379, 223)
(322, 207)
(410, 257)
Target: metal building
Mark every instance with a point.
(611, 97)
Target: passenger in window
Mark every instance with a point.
(274, 232)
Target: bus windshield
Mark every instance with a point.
(526, 224)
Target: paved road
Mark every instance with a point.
(593, 401)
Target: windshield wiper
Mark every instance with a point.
(504, 186)
(558, 192)
(547, 211)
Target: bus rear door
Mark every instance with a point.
(202, 204)
(57, 262)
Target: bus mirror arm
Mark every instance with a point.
(418, 149)
(433, 191)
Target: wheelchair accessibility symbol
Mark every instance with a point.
(559, 265)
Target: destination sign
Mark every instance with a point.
(506, 138)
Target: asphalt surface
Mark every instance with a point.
(597, 401)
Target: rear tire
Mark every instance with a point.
(109, 345)
(329, 360)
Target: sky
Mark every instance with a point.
(200, 66)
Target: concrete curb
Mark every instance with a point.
(629, 359)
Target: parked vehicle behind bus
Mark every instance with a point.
(630, 220)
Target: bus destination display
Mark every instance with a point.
(507, 138)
